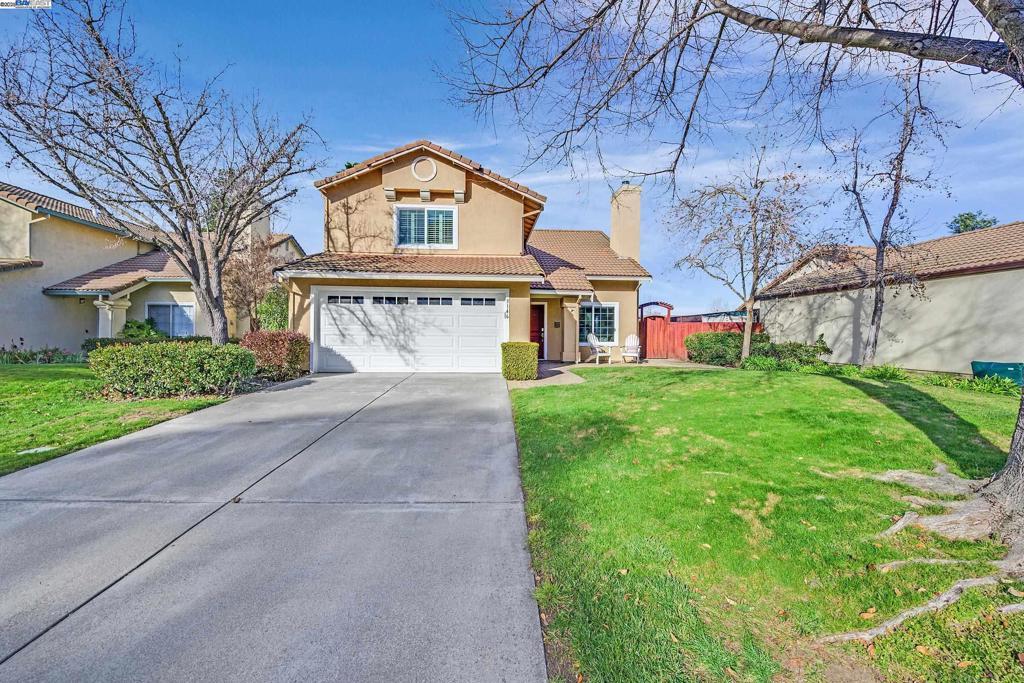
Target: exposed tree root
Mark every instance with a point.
(919, 501)
(889, 566)
(934, 605)
(904, 521)
(943, 481)
(981, 515)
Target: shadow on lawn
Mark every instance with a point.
(959, 439)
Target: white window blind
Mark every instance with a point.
(426, 226)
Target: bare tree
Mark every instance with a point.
(182, 167)
(573, 73)
(890, 264)
(249, 276)
(744, 230)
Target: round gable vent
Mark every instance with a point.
(424, 169)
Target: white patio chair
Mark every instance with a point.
(631, 349)
(597, 349)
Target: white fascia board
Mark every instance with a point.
(619, 277)
(347, 275)
(560, 292)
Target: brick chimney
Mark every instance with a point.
(625, 226)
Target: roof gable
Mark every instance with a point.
(426, 145)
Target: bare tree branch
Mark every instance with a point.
(184, 168)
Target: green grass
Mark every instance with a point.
(682, 533)
(59, 406)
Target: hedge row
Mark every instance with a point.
(172, 368)
(94, 343)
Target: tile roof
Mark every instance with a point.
(41, 203)
(122, 275)
(18, 263)
(569, 257)
(402, 150)
(334, 262)
(986, 250)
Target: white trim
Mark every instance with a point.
(589, 304)
(315, 291)
(173, 303)
(544, 326)
(420, 207)
(346, 275)
(618, 277)
(433, 166)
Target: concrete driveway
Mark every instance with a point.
(346, 527)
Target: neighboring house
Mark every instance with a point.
(67, 274)
(432, 261)
(971, 306)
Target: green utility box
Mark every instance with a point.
(984, 368)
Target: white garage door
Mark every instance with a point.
(385, 329)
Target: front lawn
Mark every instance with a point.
(58, 408)
(684, 529)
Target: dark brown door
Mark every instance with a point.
(537, 327)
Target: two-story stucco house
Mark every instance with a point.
(432, 261)
(67, 274)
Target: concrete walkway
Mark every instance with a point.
(346, 527)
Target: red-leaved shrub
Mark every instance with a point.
(280, 354)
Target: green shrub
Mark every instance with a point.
(841, 370)
(991, 384)
(98, 342)
(885, 372)
(172, 368)
(273, 310)
(519, 360)
(141, 329)
(765, 363)
(721, 348)
(280, 355)
(22, 355)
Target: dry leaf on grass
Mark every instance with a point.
(869, 613)
(925, 650)
(1014, 592)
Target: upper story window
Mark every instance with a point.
(426, 227)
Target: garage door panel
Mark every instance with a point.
(422, 334)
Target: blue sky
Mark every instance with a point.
(366, 74)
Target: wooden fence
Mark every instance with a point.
(662, 338)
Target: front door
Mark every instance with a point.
(537, 327)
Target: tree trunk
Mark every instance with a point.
(1007, 487)
(213, 308)
(875, 327)
(748, 328)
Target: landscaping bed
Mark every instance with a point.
(59, 408)
(713, 525)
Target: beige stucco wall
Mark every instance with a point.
(957, 320)
(14, 231)
(66, 249)
(299, 315)
(359, 218)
